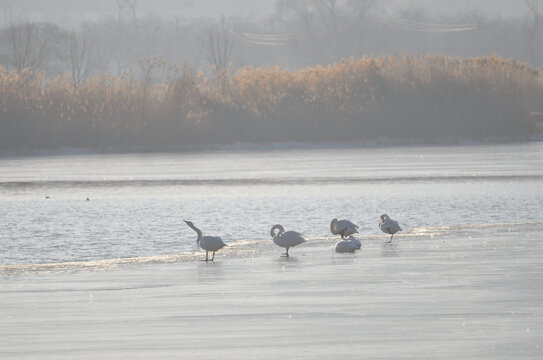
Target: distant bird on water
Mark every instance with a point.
(343, 227)
(285, 239)
(389, 226)
(208, 243)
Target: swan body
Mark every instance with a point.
(208, 243)
(348, 245)
(285, 239)
(343, 227)
(389, 226)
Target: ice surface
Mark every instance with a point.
(464, 295)
(120, 276)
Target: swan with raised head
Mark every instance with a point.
(343, 227)
(208, 243)
(286, 239)
(348, 245)
(389, 226)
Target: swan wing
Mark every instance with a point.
(390, 226)
(211, 243)
(289, 239)
(345, 246)
(354, 242)
(347, 227)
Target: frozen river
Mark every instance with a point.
(118, 276)
(138, 201)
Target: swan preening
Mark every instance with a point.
(343, 227)
(348, 245)
(285, 239)
(208, 243)
(389, 226)
(288, 239)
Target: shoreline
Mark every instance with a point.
(253, 249)
(379, 143)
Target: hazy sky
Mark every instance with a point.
(491, 8)
(65, 12)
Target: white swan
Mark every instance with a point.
(389, 226)
(286, 239)
(343, 227)
(348, 245)
(208, 243)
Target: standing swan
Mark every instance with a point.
(389, 226)
(286, 239)
(343, 227)
(208, 243)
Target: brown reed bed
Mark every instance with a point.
(171, 107)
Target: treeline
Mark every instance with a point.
(298, 34)
(172, 107)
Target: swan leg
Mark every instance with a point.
(389, 241)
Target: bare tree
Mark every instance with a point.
(32, 45)
(216, 47)
(361, 8)
(80, 57)
(127, 10)
(329, 14)
(535, 8)
(299, 17)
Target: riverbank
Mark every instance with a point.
(367, 98)
(382, 142)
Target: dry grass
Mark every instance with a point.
(171, 106)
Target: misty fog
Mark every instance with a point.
(119, 34)
(70, 43)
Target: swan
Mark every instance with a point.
(343, 227)
(208, 243)
(285, 239)
(389, 226)
(348, 245)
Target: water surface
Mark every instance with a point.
(137, 201)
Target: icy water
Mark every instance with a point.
(120, 277)
(137, 201)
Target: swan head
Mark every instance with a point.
(384, 217)
(191, 225)
(279, 229)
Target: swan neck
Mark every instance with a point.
(280, 230)
(198, 232)
(333, 229)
